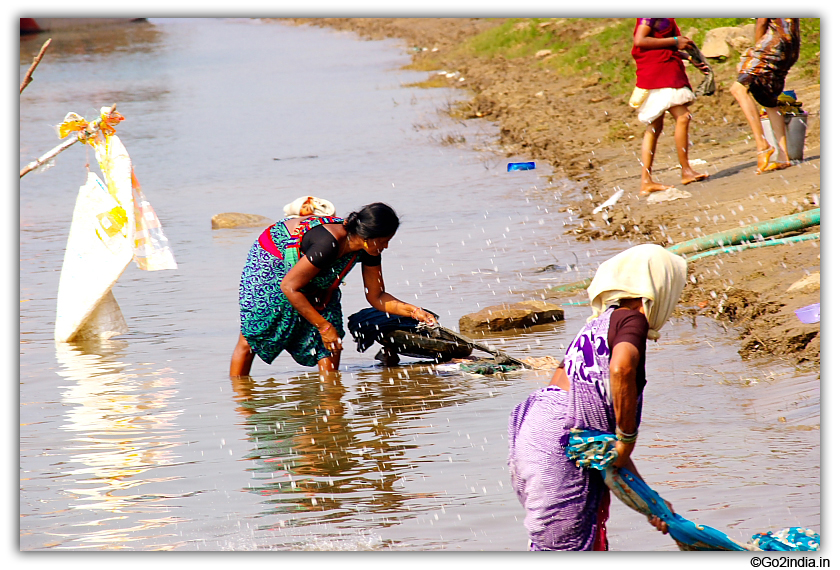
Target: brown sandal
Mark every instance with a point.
(764, 160)
(771, 166)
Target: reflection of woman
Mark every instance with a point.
(761, 73)
(313, 455)
(288, 294)
(658, 52)
(632, 295)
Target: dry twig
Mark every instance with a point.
(27, 79)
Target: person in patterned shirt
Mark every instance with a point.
(761, 79)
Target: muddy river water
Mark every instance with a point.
(143, 442)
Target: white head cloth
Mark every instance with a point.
(320, 207)
(648, 271)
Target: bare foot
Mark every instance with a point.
(692, 176)
(648, 187)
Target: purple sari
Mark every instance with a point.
(561, 500)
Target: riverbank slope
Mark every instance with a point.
(573, 115)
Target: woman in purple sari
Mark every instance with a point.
(600, 388)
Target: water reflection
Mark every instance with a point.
(338, 447)
(122, 429)
(70, 44)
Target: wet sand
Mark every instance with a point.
(586, 135)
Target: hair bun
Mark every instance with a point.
(373, 221)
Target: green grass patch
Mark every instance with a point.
(431, 83)
(809, 58)
(424, 64)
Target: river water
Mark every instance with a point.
(144, 442)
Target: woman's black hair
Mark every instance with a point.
(373, 221)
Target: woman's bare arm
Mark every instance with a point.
(623, 363)
(382, 300)
(644, 40)
(298, 277)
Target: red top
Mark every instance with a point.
(659, 68)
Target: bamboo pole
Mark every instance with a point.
(92, 128)
(27, 79)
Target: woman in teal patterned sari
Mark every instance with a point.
(288, 294)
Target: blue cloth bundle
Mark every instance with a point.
(595, 450)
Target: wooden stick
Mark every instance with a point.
(92, 127)
(27, 79)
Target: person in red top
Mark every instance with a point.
(662, 85)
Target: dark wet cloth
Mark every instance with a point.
(369, 325)
(659, 68)
(707, 85)
(764, 67)
(268, 320)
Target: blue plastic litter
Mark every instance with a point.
(521, 166)
(594, 450)
(809, 314)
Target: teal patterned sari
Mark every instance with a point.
(268, 321)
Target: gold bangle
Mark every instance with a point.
(414, 311)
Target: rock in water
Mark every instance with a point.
(519, 315)
(236, 220)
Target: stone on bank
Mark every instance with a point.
(521, 315)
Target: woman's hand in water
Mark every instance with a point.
(329, 336)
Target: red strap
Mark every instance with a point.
(268, 244)
(328, 295)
